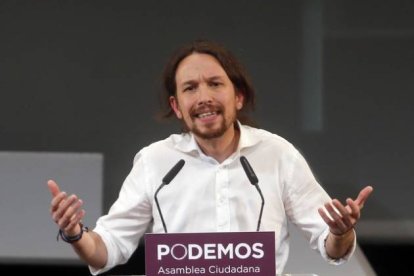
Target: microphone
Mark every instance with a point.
(254, 180)
(165, 181)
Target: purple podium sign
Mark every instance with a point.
(230, 253)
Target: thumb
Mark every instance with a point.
(53, 188)
(363, 195)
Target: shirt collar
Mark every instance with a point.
(248, 137)
(187, 142)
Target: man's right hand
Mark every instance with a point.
(65, 210)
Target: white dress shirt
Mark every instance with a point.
(207, 196)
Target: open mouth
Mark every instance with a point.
(206, 114)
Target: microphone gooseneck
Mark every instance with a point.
(165, 181)
(254, 181)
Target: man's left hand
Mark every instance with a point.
(342, 219)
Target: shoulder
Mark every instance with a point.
(268, 140)
(162, 149)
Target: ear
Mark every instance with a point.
(239, 100)
(175, 107)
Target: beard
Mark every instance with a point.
(213, 131)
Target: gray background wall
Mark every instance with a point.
(333, 77)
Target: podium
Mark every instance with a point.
(229, 253)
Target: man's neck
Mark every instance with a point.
(222, 147)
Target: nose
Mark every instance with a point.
(204, 95)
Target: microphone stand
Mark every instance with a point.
(165, 181)
(158, 206)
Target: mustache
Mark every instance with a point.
(206, 107)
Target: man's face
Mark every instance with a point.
(205, 99)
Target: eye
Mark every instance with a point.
(189, 88)
(215, 84)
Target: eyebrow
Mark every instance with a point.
(192, 82)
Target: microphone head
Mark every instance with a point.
(173, 172)
(249, 170)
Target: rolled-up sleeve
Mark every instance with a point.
(127, 219)
(322, 249)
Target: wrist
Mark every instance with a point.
(343, 236)
(339, 245)
(72, 238)
(74, 231)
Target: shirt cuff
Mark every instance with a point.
(110, 263)
(332, 261)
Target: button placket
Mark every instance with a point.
(222, 200)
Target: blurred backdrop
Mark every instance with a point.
(335, 78)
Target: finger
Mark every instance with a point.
(71, 227)
(333, 227)
(363, 195)
(337, 218)
(354, 208)
(64, 206)
(53, 188)
(326, 218)
(346, 216)
(69, 214)
(57, 201)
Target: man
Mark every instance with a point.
(207, 90)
